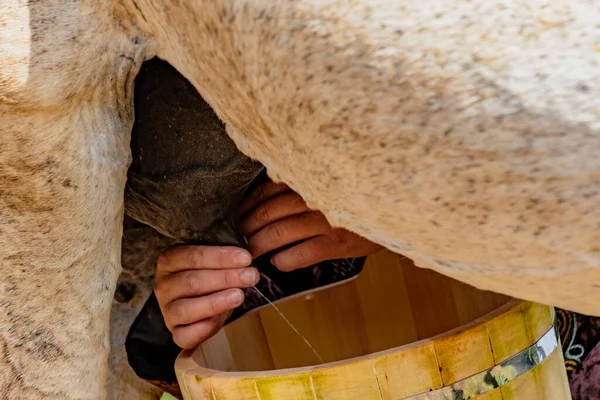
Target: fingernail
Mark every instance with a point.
(249, 276)
(242, 259)
(234, 298)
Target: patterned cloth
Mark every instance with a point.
(580, 340)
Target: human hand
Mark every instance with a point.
(274, 216)
(197, 287)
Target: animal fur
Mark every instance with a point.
(466, 135)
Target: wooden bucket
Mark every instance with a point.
(395, 332)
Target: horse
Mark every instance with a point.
(465, 135)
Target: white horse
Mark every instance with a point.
(466, 134)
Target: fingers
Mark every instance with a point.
(190, 336)
(337, 243)
(307, 253)
(287, 231)
(192, 283)
(182, 258)
(275, 208)
(191, 310)
(259, 195)
(197, 286)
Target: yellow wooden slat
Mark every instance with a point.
(549, 378)
(286, 347)
(384, 302)
(196, 389)
(547, 381)
(351, 381)
(518, 329)
(196, 384)
(464, 354)
(233, 388)
(183, 364)
(217, 353)
(248, 343)
(493, 395)
(336, 331)
(431, 300)
(405, 373)
(472, 303)
(289, 387)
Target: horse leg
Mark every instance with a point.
(59, 254)
(140, 247)
(66, 74)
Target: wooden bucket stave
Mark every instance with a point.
(377, 336)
